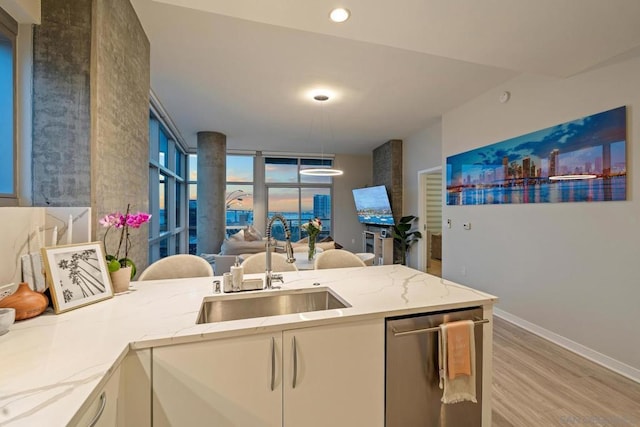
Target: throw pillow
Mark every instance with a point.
(251, 234)
(329, 239)
(239, 236)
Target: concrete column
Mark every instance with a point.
(212, 179)
(387, 171)
(259, 193)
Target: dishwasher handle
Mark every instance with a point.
(397, 333)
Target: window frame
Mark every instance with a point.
(174, 239)
(300, 185)
(9, 29)
(261, 187)
(192, 182)
(233, 228)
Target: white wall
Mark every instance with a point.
(357, 174)
(420, 151)
(26, 230)
(570, 268)
(23, 11)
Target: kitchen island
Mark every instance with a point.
(54, 366)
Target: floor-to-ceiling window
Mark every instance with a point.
(297, 197)
(168, 231)
(8, 32)
(238, 196)
(192, 188)
(239, 192)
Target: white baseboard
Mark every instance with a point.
(586, 352)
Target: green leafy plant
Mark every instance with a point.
(313, 228)
(405, 236)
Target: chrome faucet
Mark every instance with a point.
(269, 276)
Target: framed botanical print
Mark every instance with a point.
(77, 275)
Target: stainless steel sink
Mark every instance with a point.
(234, 307)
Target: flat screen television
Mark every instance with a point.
(372, 205)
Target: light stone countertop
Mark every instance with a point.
(50, 364)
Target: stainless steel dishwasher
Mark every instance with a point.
(412, 393)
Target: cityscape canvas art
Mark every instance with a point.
(583, 160)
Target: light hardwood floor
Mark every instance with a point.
(435, 267)
(537, 383)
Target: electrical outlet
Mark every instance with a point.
(466, 226)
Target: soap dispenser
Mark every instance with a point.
(237, 275)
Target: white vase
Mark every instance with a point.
(120, 279)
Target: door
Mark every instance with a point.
(334, 375)
(431, 221)
(222, 383)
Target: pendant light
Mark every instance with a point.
(321, 98)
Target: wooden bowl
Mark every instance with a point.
(26, 302)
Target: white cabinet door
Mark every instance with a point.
(103, 410)
(339, 375)
(222, 383)
(134, 403)
(125, 400)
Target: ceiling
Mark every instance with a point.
(246, 67)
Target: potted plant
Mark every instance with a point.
(122, 268)
(313, 228)
(405, 236)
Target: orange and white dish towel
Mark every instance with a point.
(457, 360)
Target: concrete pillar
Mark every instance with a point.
(212, 179)
(259, 193)
(387, 171)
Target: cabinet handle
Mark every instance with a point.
(295, 363)
(273, 363)
(103, 403)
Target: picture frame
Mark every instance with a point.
(77, 275)
(582, 160)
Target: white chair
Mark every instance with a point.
(256, 263)
(177, 267)
(366, 257)
(337, 258)
(222, 263)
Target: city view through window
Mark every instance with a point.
(296, 197)
(7, 83)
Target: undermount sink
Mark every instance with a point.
(234, 307)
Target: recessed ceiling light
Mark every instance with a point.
(339, 14)
(321, 95)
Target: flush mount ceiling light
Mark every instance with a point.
(339, 14)
(320, 94)
(321, 97)
(571, 177)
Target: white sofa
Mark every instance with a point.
(249, 241)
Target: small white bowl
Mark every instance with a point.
(6, 290)
(7, 317)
